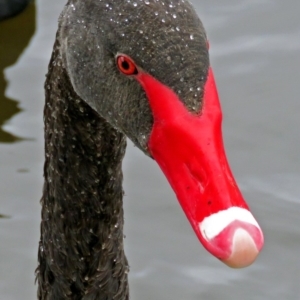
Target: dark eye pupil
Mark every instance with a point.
(125, 65)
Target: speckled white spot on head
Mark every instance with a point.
(211, 226)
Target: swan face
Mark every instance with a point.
(164, 39)
(169, 107)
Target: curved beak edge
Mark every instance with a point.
(233, 236)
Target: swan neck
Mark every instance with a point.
(81, 253)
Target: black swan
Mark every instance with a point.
(10, 8)
(135, 68)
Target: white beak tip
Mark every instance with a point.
(244, 250)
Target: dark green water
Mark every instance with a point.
(15, 34)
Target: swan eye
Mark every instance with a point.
(126, 65)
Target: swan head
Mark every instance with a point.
(166, 39)
(144, 67)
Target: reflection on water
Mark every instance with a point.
(10, 8)
(15, 35)
(4, 216)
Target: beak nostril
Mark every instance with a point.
(197, 178)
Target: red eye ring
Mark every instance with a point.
(126, 65)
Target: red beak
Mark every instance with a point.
(189, 150)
